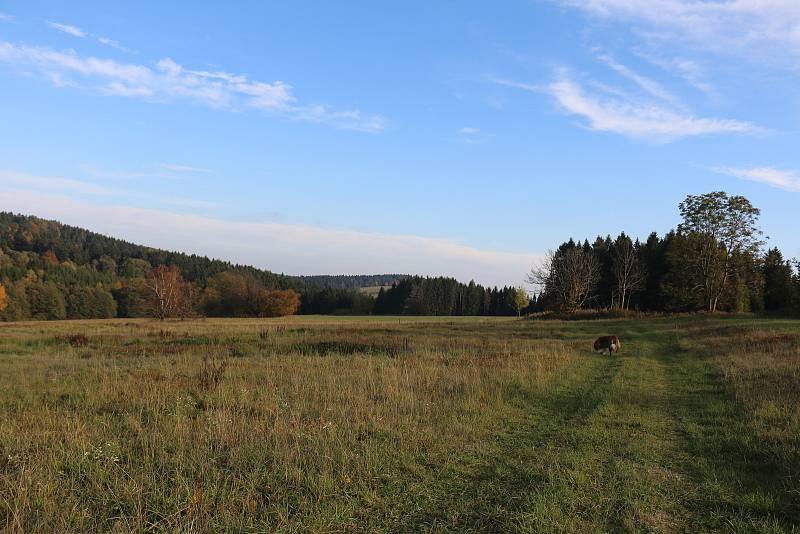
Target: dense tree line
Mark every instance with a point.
(713, 261)
(446, 296)
(333, 301)
(351, 281)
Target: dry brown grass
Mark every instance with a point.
(211, 423)
(763, 369)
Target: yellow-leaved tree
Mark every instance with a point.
(3, 298)
(519, 299)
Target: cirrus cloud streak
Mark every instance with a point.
(788, 180)
(169, 81)
(766, 30)
(613, 110)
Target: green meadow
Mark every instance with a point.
(400, 424)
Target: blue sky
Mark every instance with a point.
(451, 137)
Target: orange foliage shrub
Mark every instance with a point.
(50, 257)
(280, 303)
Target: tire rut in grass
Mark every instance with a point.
(621, 469)
(739, 486)
(485, 493)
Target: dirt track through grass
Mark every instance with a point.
(601, 451)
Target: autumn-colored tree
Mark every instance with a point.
(231, 294)
(519, 299)
(3, 298)
(50, 257)
(167, 291)
(225, 295)
(280, 303)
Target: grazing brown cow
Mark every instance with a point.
(607, 342)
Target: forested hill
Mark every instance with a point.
(50, 270)
(24, 233)
(48, 241)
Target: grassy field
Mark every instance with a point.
(400, 425)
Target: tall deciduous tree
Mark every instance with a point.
(717, 227)
(3, 298)
(567, 276)
(167, 290)
(628, 269)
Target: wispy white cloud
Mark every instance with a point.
(651, 87)
(78, 32)
(616, 111)
(168, 81)
(183, 168)
(689, 70)
(468, 130)
(788, 180)
(281, 247)
(5, 17)
(66, 28)
(639, 121)
(766, 29)
(519, 85)
(114, 44)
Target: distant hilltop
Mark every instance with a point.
(31, 234)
